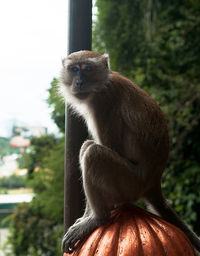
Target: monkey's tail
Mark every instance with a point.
(160, 206)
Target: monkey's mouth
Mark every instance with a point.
(82, 95)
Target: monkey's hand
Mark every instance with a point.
(78, 231)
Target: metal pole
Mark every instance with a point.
(80, 37)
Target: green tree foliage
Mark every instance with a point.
(32, 233)
(36, 228)
(57, 105)
(5, 147)
(156, 44)
(40, 148)
(48, 183)
(12, 181)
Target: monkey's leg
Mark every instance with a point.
(161, 206)
(108, 175)
(86, 213)
(82, 228)
(108, 180)
(87, 207)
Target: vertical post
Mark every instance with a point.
(80, 34)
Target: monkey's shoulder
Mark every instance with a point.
(125, 84)
(117, 78)
(130, 92)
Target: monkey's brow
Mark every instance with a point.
(81, 63)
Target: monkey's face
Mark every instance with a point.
(85, 73)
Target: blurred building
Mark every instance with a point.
(19, 141)
(29, 131)
(8, 165)
(21, 135)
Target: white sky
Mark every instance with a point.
(33, 40)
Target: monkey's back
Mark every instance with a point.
(131, 123)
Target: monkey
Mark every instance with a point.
(129, 149)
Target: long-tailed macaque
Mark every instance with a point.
(125, 160)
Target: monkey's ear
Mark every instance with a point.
(107, 59)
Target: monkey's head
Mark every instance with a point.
(84, 73)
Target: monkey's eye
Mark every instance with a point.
(88, 68)
(75, 69)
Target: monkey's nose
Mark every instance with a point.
(79, 83)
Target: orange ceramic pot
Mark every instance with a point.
(133, 231)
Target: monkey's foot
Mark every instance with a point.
(79, 231)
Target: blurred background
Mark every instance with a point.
(154, 43)
(33, 43)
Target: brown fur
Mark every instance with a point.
(126, 160)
